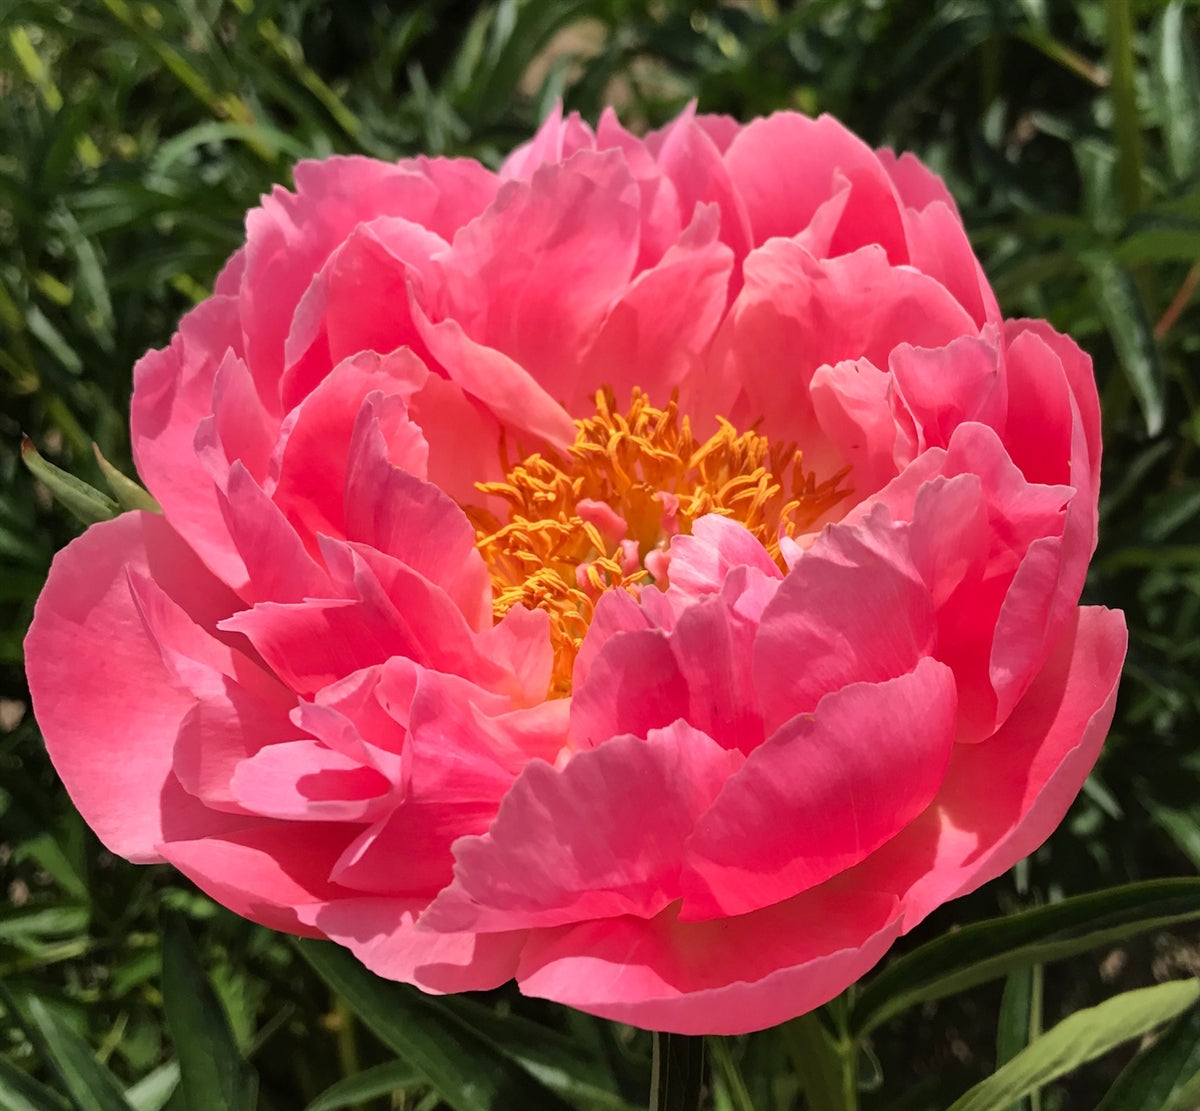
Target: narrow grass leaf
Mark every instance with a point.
(213, 1071)
(1160, 1074)
(20, 1092)
(994, 948)
(91, 1086)
(1125, 317)
(1078, 1039)
(84, 502)
(468, 1072)
(382, 1080)
(1176, 85)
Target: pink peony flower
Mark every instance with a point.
(650, 572)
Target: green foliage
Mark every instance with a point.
(133, 138)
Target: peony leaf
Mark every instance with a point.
(1161, 1076)
(213, 1071)
(152, 1092)
(1176, 87)
(382, 1080)
(1124, 315)
(84, 502)
(987, 950)
(19, 1092)
(1078, 1039)
(1020, 1017)
(91, 1086)
(468, 1072)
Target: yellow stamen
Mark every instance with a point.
(554, 553)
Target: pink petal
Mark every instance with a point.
(311, 486)
(1001, 799)
(938, 246)
(662, 323)
(172, 394)
(727, 977)
(400, 515)
(601, 838)
(407, 853)
(291, 235)
(633, 685)
(822, 630)
(693, 162)
(797, 313)
(265, 873)
(110, 726)
(783, 168)
(822, 793)
(535, 275)
(359, 302)
(306, 781)
(382, 933)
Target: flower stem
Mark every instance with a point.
(677, 1073)
(1124, 104)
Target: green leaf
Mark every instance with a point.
(468, 1072)
(84, 502)
(91, 1086)
(1176, 87)
(19, 1092)
(130, 494)
(382, 1080)
(1125, 317)
(1020, 1018)
(1080, 1038)
(987, 950)
(550, 1057)
(152, 1092)
(211, 1066)
(1160, 1074)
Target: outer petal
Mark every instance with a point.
(822, 793)
(602, 838)
(1001, 799)
(110, 726)
(382, 933)
(722, 977)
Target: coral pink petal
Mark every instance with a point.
(266, 873)
(601, 838)
(1032, 770)
(359, 302)
(938, 246)
(534, 276)
(729, 976)
(291, 235)
(464, 190)
(491, 377)
(633, 685)
(826, 613)
(822, 793)
(661, 326)
(797, 313)
(408, 853)
(382, 933)
(311, 485)
(306, 781)
(700, 562)
(241, 426)
(917, 185)
(110, 726)
(274, 553)
(692, 161)
(947, 386)
(398, 514)
(172, 394)
(783, 168)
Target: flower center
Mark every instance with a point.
(601, 516)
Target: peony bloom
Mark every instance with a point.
(650, 572)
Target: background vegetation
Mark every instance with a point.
(133, 138)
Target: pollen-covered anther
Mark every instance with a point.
(601, 515)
